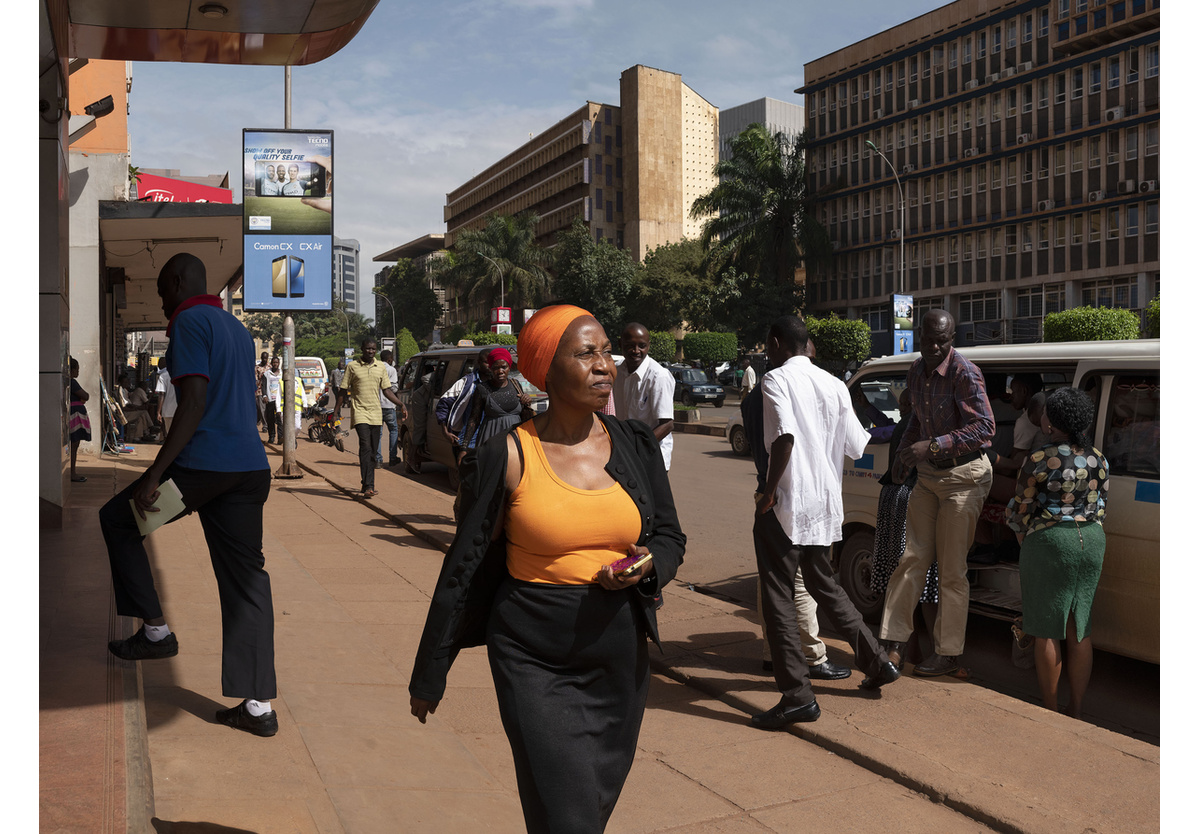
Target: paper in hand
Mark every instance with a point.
(169, 504)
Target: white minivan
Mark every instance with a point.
(1123, 379)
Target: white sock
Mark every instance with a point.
(156, 633)
(257, 708)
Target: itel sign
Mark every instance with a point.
(155, 189)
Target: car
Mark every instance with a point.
(735, 433)
(440, 368)
(693, 387)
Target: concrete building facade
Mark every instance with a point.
(345, 276)
(1024, 135)
(775, 115)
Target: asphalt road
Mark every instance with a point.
(714, 495)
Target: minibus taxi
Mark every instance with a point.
(1123, 379)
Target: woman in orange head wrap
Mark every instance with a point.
(546, 511)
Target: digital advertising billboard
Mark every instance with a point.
(287, 224)
(902, 323)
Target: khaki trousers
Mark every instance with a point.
(942, 512)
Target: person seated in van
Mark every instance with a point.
(880, 426)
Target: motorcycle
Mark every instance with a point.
(327, 429)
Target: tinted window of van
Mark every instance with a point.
(1132, 426)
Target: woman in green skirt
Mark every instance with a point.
(1057, 513)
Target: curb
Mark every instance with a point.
(699, 428)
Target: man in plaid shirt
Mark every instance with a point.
(952, 425)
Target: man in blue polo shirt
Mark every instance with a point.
(214, 455)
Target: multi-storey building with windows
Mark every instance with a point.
(345, 275)
(1018, 162)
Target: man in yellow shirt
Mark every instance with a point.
(364, 382)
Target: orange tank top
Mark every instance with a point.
(560, 534)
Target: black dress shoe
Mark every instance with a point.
(779, 716)
(886, 674)
(141, 647)
(239, 718)
(828, 671)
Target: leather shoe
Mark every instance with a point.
(884, 675)
(894, 650)
(939, 664)
(141, 647)
(779, 716)
(828, 671)
(265, 725)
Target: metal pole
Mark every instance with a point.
(903, 210)
(395, 332)
(287, 98)
(289, 469)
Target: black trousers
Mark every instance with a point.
(572, 672)
(368, 444)
(274, 417)
(230, 506)
(778, 560)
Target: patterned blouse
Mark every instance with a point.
(1058, 483)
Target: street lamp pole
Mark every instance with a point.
(499, 272)
(395, 334)
(903, 207)
(343, 312)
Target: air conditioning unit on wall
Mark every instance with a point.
(1148, 185)
(1126, 186)
(972, 84)
(1112, 114)
(1022, 138)
(1095, 196)
(971, 152)
(894, 234)
(1045, 205)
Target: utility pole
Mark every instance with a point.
(288, 469)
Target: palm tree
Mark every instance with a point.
(762, 221)
(505, 247)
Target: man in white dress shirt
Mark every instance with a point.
(809, 425)
(644, 389)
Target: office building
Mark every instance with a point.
(1024, 138)
(631, 171)
(775, 115)
(424, 251)
(345, 275)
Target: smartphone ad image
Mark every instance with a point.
(279, 277)
(295, 277)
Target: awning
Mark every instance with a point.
(136, 239)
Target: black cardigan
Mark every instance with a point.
(475, 565)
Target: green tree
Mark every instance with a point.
(594, 276)
(662, 347)
(676, 286)
(760, 215)
(839, 342)
(406, 346)
(416, 304)
(514, 254)
(1152, 315)
(487, 337)
(1088, 324)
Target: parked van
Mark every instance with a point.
(1123, 379)
(439, 368)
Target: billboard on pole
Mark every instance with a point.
(287, 229)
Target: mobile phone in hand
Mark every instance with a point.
(626, 566)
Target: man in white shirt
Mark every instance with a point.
(749, 379)
(389, 412)
(809, 425)
(271, 392)
(644, 389)
(166, 399)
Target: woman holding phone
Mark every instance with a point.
(549, 512)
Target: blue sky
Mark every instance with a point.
(427, 95)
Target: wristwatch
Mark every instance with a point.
(934, 448)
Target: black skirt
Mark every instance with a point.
(572, 671)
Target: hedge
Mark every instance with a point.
(489, 338)
(662, 347)
(1152, 319)
(838, 339)
(710, 348)
(1090, 324)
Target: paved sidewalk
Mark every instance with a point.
(351, 582)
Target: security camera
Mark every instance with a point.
(100, 108)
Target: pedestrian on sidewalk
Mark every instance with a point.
(366, 380)
(645, 390)
(809, 425)
(79, 426)
(951, 428)
(497, 402)
(1057, 513)
(338, 375)
(133, 405)
(167, 401)
(566, 636)
(389, 412)
(749, 379)
(820, 667)
(271, 393)
(217, 461)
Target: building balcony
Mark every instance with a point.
(1106, 24)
